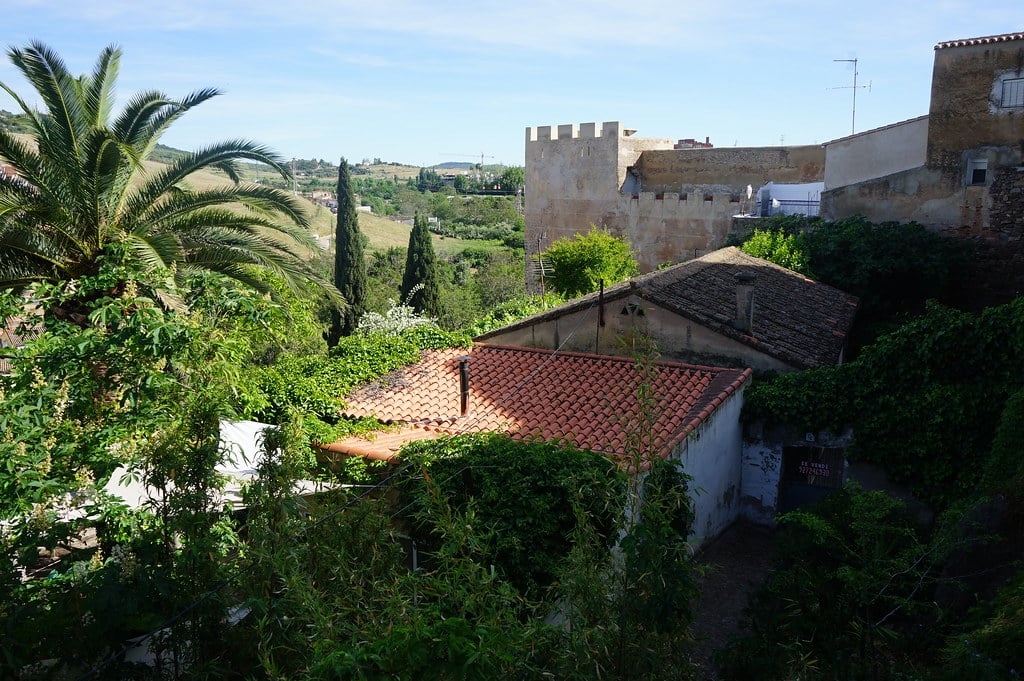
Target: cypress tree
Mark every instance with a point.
(349, 261)
(421, 268)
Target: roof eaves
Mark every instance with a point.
(707, 409)
(983, 40)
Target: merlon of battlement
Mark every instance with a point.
(548, 133)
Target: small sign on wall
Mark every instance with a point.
(817, 466)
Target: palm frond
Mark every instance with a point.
(54, 84)
(209, 157)
(262, 200)
(98, 91)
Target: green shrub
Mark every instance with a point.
(524, 496)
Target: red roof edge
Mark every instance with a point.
(703, 416)
(984, 40)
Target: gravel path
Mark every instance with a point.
(736, 561)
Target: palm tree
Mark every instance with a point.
(83, 187)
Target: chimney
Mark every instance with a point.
(744, 300)
(464, 383)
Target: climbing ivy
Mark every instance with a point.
(523, 496)
(923, 401)
(892, 268)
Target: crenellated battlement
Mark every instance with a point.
(570, 131)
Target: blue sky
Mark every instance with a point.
(425, 82)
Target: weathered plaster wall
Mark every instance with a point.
(676, 338)
(762, 465)
(964, 112)
(921, 195)
(711, 456)
(877, 153)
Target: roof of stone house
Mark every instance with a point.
(797, 320)
(984, 40)
(588, 400)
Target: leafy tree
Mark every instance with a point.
(522, 494)
(429, 180)
(581, 263)
(787, 250)
(140, 386)
(349, 261)
(83, 186)
(421, 271)
(513, 179)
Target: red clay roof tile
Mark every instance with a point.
(589, 400)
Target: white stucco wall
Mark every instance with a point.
(876, 153)
(759, 489)
(711, 456)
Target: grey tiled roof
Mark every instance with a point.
(799, 321)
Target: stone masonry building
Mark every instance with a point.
(674, 204)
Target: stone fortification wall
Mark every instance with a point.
(737, 167)
(672, 204)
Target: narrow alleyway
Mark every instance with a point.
(736, 562)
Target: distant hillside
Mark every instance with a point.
(454, 165)
(12, 122)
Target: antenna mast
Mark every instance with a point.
(853, 119)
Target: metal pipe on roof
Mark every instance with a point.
(464, 383)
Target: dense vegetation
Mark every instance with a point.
(862, 588)
(586, 261)
(514, 577)
(893, 268)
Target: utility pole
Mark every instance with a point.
(854, 87)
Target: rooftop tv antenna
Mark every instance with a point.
(854, 87)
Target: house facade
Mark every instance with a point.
(590, 401)
(725, 308)
(958, 169)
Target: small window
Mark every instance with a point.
(1013, 93)
(977, 171)
(632, 310)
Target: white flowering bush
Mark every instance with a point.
(399, 317)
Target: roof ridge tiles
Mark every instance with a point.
(983, 40)
(616, 359)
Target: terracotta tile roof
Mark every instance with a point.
(984, 40)
(797, 320)
(588, 400)
(13, 335)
